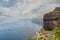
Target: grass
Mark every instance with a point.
(57, 11)
(56, 33)
(29, 39)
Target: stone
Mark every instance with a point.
(52, 19)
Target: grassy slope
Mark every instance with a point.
(49, 35)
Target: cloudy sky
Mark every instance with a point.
(12, 10)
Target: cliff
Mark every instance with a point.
(52, 19)
(51, 28)
(47, 35)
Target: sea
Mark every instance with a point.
(20, 29)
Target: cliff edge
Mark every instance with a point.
(51, 28)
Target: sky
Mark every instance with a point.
(13, 10)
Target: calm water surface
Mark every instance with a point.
(18, 30)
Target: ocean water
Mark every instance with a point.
(19, 30)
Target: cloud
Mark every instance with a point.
(26, 9)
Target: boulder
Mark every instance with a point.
(52, 19)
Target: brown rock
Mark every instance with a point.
(52, 19)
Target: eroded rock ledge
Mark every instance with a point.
(51, 21)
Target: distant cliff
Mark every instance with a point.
(51, 28)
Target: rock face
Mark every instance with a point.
(44, 35)
(52, 19)
(51, 22)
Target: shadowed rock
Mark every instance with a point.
(52, 19)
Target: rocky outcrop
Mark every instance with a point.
(47, 35)
(51, 22)
(52, 19)
(44, 35)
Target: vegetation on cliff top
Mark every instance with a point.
(51, 28)
(48, 35)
